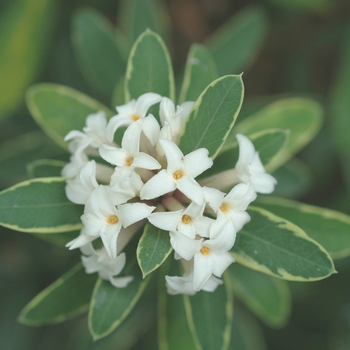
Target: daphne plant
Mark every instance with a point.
(158, 198)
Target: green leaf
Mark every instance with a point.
(328, 227)
(267, 297)
(45, 168)
(302, 116)
(210, 317)
(101, 59)
(60, 239)
(269, 143)
(213, 115)
(293, 179)
(200, 71)
(25, 31)
(110, 305)
(65, 298)
(135, 16)
(39, 206)
(277, 247)
(153, 248)
(236, 43)
(149, 68)
(59, 109)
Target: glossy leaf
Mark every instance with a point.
(149, 68)
(101, 59)
(153, 248)
(236, 43)
(266, 296)
(269, 143)
(25, 31)
(39, 206)
(277, 247)
(213, 115)
(60, 239)
(110, 305)
(65, 298)
(59, 109)
(45, 168)
(303, 117)
(210, 317)
(328, 227)
(200, 71)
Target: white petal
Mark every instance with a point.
(213, 197)
(246, 150)
(145, 161)
(121, 282)
(241, 196)
(167, 221)
(212, 284)
(93, 225)
(113, 155)
(221, 262)
(191, 189)
(159, 184)
(184, 246)
(80, 241)
(151, 129)
(109, 239)
(132, 212)
(115, 123)
(264, 183)
(173, 155)
(196, 162)
(180, 285)
(90, 264)
(131, 138)
(202, 226)
(144, 102)
(203, 269)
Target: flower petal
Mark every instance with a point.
(158, 185)
(151, 129)
(173, 155)
(132, 212)
(196, 162)
(144, 102)
(167, 221)
(145, 161)
(191, 189)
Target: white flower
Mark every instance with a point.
(133, 111)
(99, 261)
(102, 218)
(249, 167)
(129, 155)
(180, 173)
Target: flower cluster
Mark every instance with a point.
(149, 178)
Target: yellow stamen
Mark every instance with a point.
(205, 250)
(135, 117)
(178, 175)
(113, 219)
(224, 207)
(129, 161)
(186, 219)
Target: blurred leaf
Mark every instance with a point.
(39, 206)
(313, 5)
(267, 297)
(246, 333)
(45, 168)
(269, 143)
(303, 117)
(135, 16)
(101, 59)
(111, 305)
(153, 248)
(210, 317)
(200, 71)
(60, 239)
(25, 29)
(329, 228)
(277, 247)
(149, 68)
(213, 115)
(293, 179)
(59, 109)
(236, 43)
(65, 298)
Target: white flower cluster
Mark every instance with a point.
(148, 177)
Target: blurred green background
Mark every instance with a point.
(298, 48)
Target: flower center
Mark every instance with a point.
(129, 161)
(186, 219)
(205, 250)
(178, 175)
(113, 219)
(135, 117)
(224, 207)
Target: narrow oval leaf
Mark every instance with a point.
(65, 298)
(279, 248)
(24, 34)
(269, 143)
(153, 248)
(39, 206)
(45, 168)
(60, 239)
(200, 71)
(101, 59)
(266, 296)
(59, 109)
(328, 227)
(303, 117)
(149, 68)
(110, 305)
(213, 115)
(235, 44)
(210, 317)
